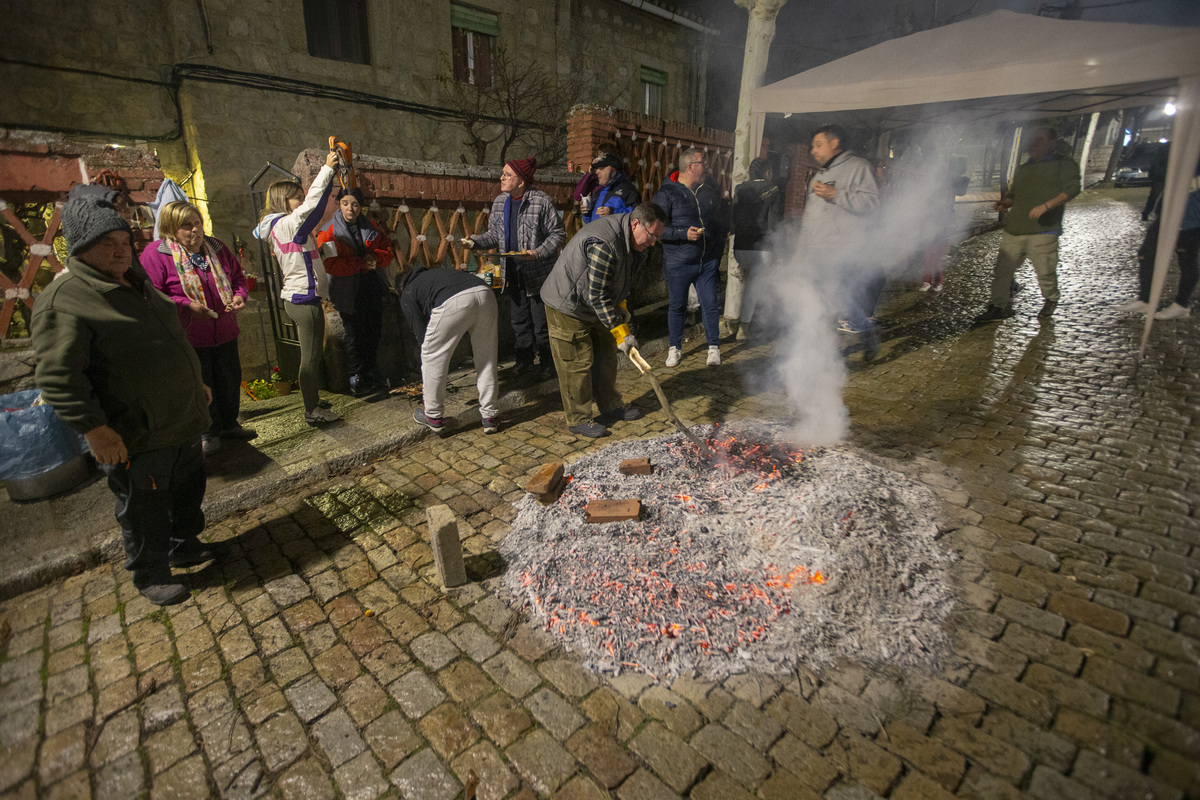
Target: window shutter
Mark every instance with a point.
(474, 19)
(654, 76)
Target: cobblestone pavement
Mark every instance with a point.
(321, 661)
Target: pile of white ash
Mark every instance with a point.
(771, 556)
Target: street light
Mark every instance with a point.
(1169, 109)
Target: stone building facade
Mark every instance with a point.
(218, 88)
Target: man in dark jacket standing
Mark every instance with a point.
(692, 244)
(442, 305)
(585, 307)
(757, 209)
(523, 220)
(116, 365)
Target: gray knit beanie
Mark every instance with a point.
(86, 219)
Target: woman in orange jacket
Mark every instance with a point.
(354, 249)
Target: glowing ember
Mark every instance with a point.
(772, 556)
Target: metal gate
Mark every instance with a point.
(287, 341)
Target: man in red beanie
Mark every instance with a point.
(523, 220)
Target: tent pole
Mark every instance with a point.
(1181, 167)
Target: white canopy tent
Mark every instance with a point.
(1011, 67)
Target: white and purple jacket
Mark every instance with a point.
(295, 246)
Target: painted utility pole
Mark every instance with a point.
(760, 32)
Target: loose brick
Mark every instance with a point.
(636, 466)
(601, 511)
(546, 479)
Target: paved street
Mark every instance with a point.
(321, 660)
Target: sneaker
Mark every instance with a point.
(238, 432)
(319, 416)
(592, 430)
(845, 327)
(165, 594)
(1173, 311)
(925, 287)
(995, 313)
(1047, 309)
(743, 332)
(1133, 304)
(674, 356)
(620, 414)
(209, 443)
(325, 404)
(491, 424)
(937, 288)
(435, 424)
(714, 356)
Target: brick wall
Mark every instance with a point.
(648, 146)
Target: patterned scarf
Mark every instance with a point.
(186, 265)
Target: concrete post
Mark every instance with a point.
(760, 32)
(447, 549)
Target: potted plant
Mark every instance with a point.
(251, 281)
(282, 385)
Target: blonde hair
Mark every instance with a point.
(278, 194)
(173, 215)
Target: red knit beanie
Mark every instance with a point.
(524, 167)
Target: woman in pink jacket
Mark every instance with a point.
(203, 277)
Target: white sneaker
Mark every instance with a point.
(938, 288)
(1173, 311)
(674, 356)
(926, 286)
(714, 356)
(1133, 304)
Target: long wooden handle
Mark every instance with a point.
(644, 368)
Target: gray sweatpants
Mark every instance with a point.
(472, 311)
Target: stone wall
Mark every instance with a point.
(219, 97)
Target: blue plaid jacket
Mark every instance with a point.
(539, 228)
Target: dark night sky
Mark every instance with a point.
(809, 33)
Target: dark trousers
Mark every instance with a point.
(528, 316)
(159, 493)
(221, 367)
(679, 277)
(1187, 247)
(364, 326)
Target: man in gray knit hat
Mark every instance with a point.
(116, 366)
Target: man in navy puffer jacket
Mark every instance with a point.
(693, 241)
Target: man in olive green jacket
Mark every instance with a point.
(1034, 202)
(116, 366)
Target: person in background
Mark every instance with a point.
(757, 209)
(114, 362)
(693, 242)
(288, 221)
(203, 277)
(585, 298)
(948, 182)
(842, 199)
(1033, 222)
(353, 249)
(615, 193)
(1187, 248)
(588, 183)
(524, 221)
(443, 305)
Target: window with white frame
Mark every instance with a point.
(653, 83)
